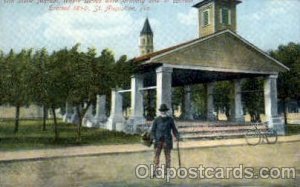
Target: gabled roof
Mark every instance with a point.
(147, 28)
(156, 53)
(197, 53)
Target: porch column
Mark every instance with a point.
(101, 109)
(210, 102)
(164, 88)
(137, 105)
(116, 120)
(270, 98)
(188, 103)
(237, 107)
(87, 119)
(75, 116)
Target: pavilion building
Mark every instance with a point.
(218, 54)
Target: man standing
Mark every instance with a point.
(161, 133)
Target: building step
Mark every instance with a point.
(211, 125)
(212, 136)
(216, 132)
(229, 128)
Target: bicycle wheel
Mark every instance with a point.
(253, 137)
(271, 136)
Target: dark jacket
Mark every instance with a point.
(161, 129)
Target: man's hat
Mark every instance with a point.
(163, 108)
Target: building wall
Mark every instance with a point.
(209, 29)
(146, 44)
(219, 26)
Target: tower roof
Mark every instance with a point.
(147, 28)
(203, 2)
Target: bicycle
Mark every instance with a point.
(256, 135)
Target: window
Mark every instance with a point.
(206, 17)
(225, 16)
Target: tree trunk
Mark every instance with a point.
(80, 116)
(257, 117)
(227, 113)
(55, 124)
(78, 139)
(17, 119)
(44, 117)
(285, 111)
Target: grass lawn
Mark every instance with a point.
(30, 136)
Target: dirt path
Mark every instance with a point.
(10, 156)
(119, 169)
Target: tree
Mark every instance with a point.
(178, 100)
(2, 77)
(38, 84)
(58, 83)
(199, 97)
(91, 76)
(16, 80)
(252, 97)
(288, 82)
(222, 97)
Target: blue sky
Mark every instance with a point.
(265, 23)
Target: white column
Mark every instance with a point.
(116, 120)
(87, 119)
(237, 107)
(210, 102)
(270, 98)
(164, 88)
(75, 117)
(188, 103)
(100, 109)
(137, 105)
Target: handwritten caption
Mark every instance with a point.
(96, 5)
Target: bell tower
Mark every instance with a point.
(216, 15)
(146, 39)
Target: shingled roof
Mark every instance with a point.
(147, 28)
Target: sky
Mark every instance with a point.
(265, 23)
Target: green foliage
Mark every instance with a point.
(122, 72)
(2, 77)
(178, 99)
(199, 98)
(252, 98)
(16, 80)
(223, 96)
(38, 83)
(288, 82)
(67, 75)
